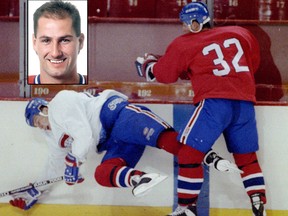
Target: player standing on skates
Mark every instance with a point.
(220, 62)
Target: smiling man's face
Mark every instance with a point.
(57, 47)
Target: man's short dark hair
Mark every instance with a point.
(58, 9)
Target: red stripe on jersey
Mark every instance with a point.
(191, 122)
(63, 141)
(150, 114)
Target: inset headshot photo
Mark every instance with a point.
(57, 42)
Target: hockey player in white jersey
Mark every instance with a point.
(74, 123)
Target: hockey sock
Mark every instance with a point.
(115, 173)
(168, 142)
(252, 177)
(190, 176)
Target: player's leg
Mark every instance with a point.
(137, 124)
(201, 131)
(190, 179)
(242, 140)
(253, 181)
(114, 173)
(165, 135)
(117, 169)
(145, 128)
(167, 141)
(117, 166)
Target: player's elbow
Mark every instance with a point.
(166, 79)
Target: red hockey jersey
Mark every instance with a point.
(220, 63)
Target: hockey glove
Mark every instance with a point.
(144, 66)
(26, 199)
(72, 175)
(220, 164)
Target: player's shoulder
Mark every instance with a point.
(64, 99)
(180, 42)
(70, 95)
(232, 29)
(65, 96)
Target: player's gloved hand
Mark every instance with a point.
(72, 175)
(220, 164)
(144, 66)
(26, 199)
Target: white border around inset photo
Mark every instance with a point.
(33, 60)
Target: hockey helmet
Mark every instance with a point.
(34, 108)
(194, 11)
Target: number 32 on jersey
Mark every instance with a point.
(220, 60)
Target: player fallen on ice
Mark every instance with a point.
(76, 123)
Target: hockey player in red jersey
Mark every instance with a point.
(74, 123)
(220, 62)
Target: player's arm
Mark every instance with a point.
(144, 66)
(62, 162)
(77, 152)
(166, 69)
(68, 116)
(76, 130)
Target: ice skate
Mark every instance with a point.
(257, 205)
(146, 182)
(184, 211)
